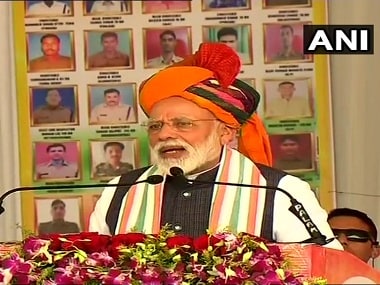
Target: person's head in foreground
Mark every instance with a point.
(355, 231)
(201, 110)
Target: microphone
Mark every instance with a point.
(296, 207)
(153, 179)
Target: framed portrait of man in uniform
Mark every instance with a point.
(210, 5)
(286, 3)
(100, 7)
(50, 51)
(57, 161)
(238, 37)
(58, 214)
(165, 46)
(288, 98)
(112, 158)
(54, 105)
(293, 152)
(283, 43)
(166, 6)
(109, 49)
(112, 104)
(37, 8)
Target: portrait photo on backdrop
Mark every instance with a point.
(284, 42)
(163, 47)
(237, 37)
(56, 105)
(50, 51)
(293, 152)
(112, 104)
(58, 214)
(109, 49)
(166, 6)
(286, 3)
(48, 8)
(107, 7)
(57, 160)
(226, 4)
(288, 98)
(112, 158)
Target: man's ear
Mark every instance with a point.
(375, 251)
(227, 134)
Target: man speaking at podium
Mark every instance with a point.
(195, 108)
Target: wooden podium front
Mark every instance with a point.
(337, 266)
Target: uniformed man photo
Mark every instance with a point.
(57, 166)
(283, 45)
(109, 7)
(113, 152)
(110, 55)
(287, 104)
(168, 43)
(290, 157)
(112, 110)
(53, 111)
(48, 8)
(51, 59)
(58, 225)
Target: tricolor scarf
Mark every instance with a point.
(237, 208)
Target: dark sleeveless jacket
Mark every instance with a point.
(191, 216)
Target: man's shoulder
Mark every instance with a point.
(45, 224)
(96, 56)
(154, 61)
(271, 173)
(133, 174)
(64, 58)
(70, 224)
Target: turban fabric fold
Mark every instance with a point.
(208, 78)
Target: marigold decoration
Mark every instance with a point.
(137, 258)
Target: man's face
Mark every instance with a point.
(56, 153)
(362, 250)
(190, 148)
(286, 91)
(58, 212)
(110, 44)
(168, 43)
(286, 37)
(289, 148)
(231, 41)
(112, 99)
(53, 99)
(113, 154)
(50, 46)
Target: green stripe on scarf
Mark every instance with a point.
(143, 207)
(234, 220)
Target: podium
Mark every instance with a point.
(336, 266)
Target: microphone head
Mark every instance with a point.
(155, 179)
(176, 171)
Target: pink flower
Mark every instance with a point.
(116, 277)
(32, 246)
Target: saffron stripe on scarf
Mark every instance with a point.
(219, 193)
(230, 195)
(253, 201)
(245, 171)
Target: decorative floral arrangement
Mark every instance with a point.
(136, 258)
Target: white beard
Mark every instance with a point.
(197, 156)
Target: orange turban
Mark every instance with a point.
(208, 78)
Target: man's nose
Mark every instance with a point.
(167, 132)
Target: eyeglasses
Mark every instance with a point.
(178, 124)
(355, 235)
